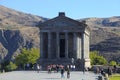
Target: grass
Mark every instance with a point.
(115, 77)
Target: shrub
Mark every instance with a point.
(112, 63)
(11, 66)
(96, 59)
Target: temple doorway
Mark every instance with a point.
(62, 48)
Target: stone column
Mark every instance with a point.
(74, 45)
(41, 45)
(49, 45)
(66, 44)
(57, 45)
(82, 46)
(79, 46)
(82, 54)
(85, 50)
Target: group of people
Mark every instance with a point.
(107, 71)
(61, 69)
(57, 68)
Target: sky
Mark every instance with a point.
(75, 9)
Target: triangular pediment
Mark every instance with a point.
(62, 21)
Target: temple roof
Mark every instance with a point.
(62, 21)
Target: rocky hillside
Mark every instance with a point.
(105, 36)
(17, 30)
(11, 41)
(103, 22)
(10, 18)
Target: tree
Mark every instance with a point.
(28, 56)
(34, 55)
(96, 59)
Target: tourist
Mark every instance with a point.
(73, 67)
(54, 68)
(102, 72)
(68, 71)
(27, 66)
(115, 68)
(109, 71)
(38, 68)
(97, 70)
(49, 67)
(62, 72)
(57, 68)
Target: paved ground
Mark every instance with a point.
(43, 75)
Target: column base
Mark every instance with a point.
(87, 63)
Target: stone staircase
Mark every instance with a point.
(45, 62)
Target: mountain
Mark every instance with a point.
(103, 22)
(10, 18)
(17, 30)
(105, 36)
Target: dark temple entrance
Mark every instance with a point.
(62, 48)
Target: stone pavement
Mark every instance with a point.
(43, 75)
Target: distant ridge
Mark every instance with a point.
(15, 18)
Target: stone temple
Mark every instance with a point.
(64, 41)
